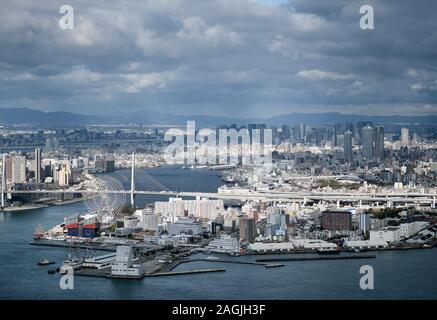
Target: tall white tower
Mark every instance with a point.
(3, 179)
(37, 166)
(132, 182)
(405, 137)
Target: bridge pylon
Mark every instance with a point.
(132, 182)
(3, 180)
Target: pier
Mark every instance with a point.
(174, 273)
(256, 263)
(317, 258)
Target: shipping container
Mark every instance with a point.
(73, 232)
(89, 233)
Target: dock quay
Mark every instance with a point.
(98, 246)
(173, 273)
(344, 257)
(105, 273)
(63, 244)
(258, 263)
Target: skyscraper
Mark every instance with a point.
(405, 137)
(19, 169)
(38, 165)
(364, 224)
(367, 137)
(347, 146)
(379, 142)
(360, 126)
(338, 131)
(349, 126)
(300, 132)
(247, 229)
(319, 136)
(285, 132)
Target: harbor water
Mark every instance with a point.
(410, 274)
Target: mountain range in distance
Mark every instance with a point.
(33, 117)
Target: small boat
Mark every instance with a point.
(274, 265)
(45, 262)
(51, 271)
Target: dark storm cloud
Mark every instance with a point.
(229, 57)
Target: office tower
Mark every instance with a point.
(367, 137)
(379, 142)
(405, 137)
(349, 126)
(276, 136)
(300, 132)
(338, 131)
(104, 165)
(415, 139)
(336, 220)
(360, 126)
(247, 229)
(19, 169)
(64, 177)
(8, 169)
(285, 132)
(38, 165)
(364, 224)
(347, 146)
(319, 137)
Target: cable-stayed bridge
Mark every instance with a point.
(151, 186)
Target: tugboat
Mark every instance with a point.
(45, 262)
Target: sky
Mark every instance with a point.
(234, 58)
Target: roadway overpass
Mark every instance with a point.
(302, 197)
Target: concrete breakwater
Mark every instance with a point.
(341, 257)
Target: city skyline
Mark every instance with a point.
(250, 58)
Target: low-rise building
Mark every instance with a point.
(123, 265)
(365, 244)
(225, 244)
(388, 234)
(270, 246)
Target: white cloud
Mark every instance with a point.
(195, 28)
(135, 82)
(78, 74)
(315, 74)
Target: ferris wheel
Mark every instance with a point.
(109, 200)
